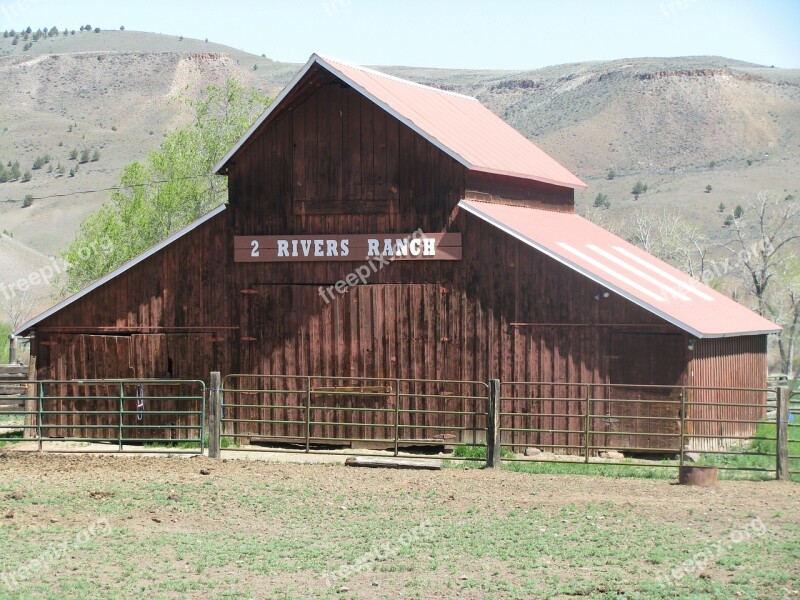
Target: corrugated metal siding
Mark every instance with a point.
(738, 362)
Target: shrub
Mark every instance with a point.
(72, 172)
(639, 188)
(28, 201)
(73, 154)
(749, 161)
(611, 174)
(708, 189)
(721, 207)
(15, 41)
(97, 30)
(712, 164)
(26, 176)
(601, 201)
(96, 156)
(84, 156)
(738, 211)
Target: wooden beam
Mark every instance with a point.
(782, 437)
(391, 462)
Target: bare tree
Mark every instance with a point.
(764, 235)
(18, 307)
(785, 311)
(668, 236)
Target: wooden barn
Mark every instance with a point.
(378, 228)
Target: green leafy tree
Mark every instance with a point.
(171, 188)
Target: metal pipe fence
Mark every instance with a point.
(293, 413)
(134, 415)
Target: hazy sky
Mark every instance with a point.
(513, 34)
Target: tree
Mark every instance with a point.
(122, 27)
(708, 189)
(738, 212)
(171, 188)
(763, 243)
(721, 208)
(18, 307)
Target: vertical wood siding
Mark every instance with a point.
(335, 164)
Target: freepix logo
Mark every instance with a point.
(46, 274)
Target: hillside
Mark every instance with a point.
(678, 124)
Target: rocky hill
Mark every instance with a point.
(677, 124)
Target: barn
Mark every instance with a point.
(380, 229)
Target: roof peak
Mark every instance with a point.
(330, 61)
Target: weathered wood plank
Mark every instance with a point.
(394, 463)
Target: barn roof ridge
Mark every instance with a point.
(377, 73)
(458, 125)
(119, 270)
(624, 269)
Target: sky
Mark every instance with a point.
(468, 34)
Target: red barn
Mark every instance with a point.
(314, 267)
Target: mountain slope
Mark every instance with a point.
(678, 124)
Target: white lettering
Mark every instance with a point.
(294, 247)
(345, 246)
(430, 247)
(387, 247)
(373, 247)
(306, 244)
(333, 248)
(283, 248)
(401, 247)
(318, 244)
(414, 247)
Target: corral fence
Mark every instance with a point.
(107, 415)
(725, 427)
(743, 429)
(297, 413)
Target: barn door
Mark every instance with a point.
(645, 359)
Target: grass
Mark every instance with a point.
(277, 536)
(737, 464)
(5, 331)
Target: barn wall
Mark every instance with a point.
(739, 362)
(337, 164)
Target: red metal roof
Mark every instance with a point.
(458, 125)
(625, 269)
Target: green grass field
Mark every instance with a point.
(158, 528)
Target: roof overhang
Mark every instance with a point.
(637, 284)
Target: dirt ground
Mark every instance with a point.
(196, 495)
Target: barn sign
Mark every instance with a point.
(319, 248)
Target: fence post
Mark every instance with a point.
(12, 350)
(214, 413)
(493, 440)
(782, 430)
(31, 411)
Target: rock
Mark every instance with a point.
(156, 520)
(532, 451)
(692, 457)
(205, 472)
